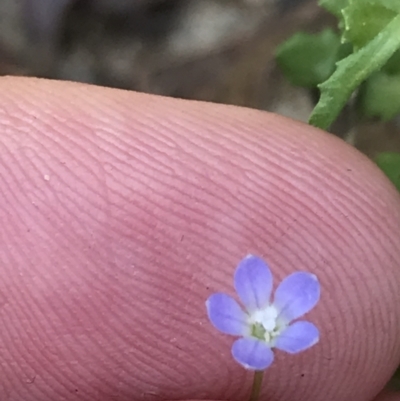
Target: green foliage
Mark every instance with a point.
(364, 20)
(390, 164)
(307, 60)
(393, 65)
(381, 96)
(352, 71)
(334, 6)
(371, 28)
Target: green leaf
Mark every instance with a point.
(307, 60)
(352, 71)
(393, 64)
(363, 20)
(380, 96)
(390, 165)
(389, 4)
(334, 6)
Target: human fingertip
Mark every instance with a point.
(388, 396)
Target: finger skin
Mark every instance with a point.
(121, 213)
(388, 396)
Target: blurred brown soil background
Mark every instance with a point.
(213, 50)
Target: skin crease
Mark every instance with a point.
(122, 212)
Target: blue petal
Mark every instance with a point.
(226, 315)
(252, 353)
(253, 283)
(296, 295)
(297, 337)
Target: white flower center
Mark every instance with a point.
(264, 325)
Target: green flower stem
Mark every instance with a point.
(352, 71)
(257, 381)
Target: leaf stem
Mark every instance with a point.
(352, 71)
(256, 388)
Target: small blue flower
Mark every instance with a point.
(264, 325)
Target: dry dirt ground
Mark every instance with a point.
(214, 50)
